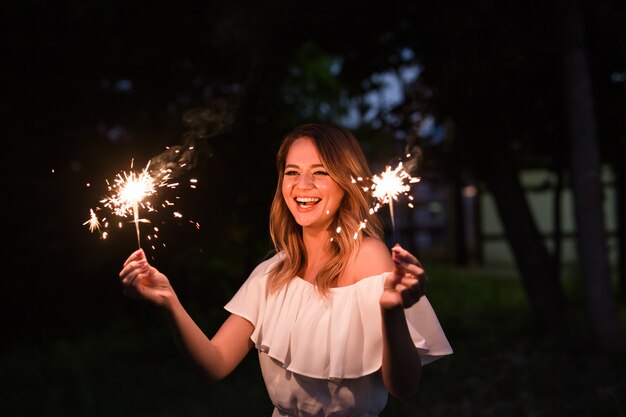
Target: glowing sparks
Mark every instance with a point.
(131, 191)
(93, 222)
(385, 188)
(388, 185)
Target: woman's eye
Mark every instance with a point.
(320, 173)
(291, 172)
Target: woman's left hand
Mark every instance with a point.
(407, 282)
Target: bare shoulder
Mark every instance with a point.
(373, 258)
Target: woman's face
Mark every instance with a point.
(312, 196)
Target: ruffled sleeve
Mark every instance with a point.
(426, 332)
(329, 338)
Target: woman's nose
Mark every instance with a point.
(305, 181)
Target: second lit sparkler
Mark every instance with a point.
(388, 185)
(386, 188)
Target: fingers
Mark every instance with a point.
(411, 289)
(411, 279)
(135, 269)
(412, 283)
(398, 252)
(408, 268)
(405, 260)
(135, 256)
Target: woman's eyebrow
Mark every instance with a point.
(297, 166)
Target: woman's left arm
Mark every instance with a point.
(401, 365)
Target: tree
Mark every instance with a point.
(585, 172)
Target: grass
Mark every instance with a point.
(500, 366)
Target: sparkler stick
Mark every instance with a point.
(136, 216)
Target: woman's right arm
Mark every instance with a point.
(214, 358)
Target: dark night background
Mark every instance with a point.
(89, 86)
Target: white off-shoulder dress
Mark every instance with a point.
(320, 356)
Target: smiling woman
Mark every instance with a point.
(320, 162)
(338, 320)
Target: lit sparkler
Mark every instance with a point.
(389, 184)
(130, 191)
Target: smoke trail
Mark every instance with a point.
(202, 124)
(413, 155)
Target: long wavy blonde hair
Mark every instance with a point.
(345, 162)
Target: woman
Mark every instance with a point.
(339, 321)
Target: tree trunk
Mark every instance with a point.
(456, 195)
(557, 209)
(620, 186)
(535, 264)
(599, 299)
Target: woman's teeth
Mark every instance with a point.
(307, 201)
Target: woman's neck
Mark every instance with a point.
(316, 245)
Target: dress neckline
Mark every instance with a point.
(362, 281)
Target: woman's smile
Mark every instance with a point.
(307, 202)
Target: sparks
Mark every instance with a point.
(389, 184)
(131, 191)
(93, 222)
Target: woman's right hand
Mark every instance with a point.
(142, 281)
